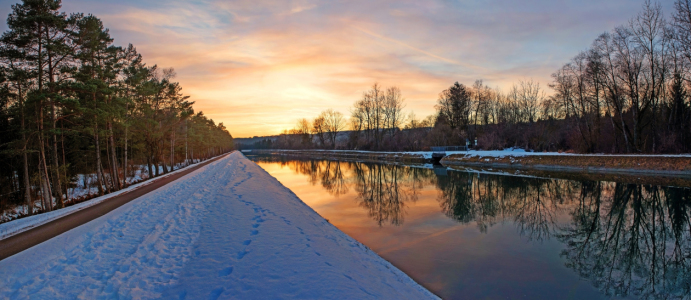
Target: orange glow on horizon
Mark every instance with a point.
(259, 66)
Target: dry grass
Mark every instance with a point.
(642, 163)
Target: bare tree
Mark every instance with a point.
(334, 123)
(303, 130)
(648, 33)
(393, 110)
(530, 95)
(319, 130)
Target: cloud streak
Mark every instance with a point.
(444, 59)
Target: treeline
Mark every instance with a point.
(73, 103)
(378, 121)
(627, 93)
(634, 80)
(375, 123)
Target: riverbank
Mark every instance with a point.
(634, 165)
(353, 155)
(640, 165)
(227, 230)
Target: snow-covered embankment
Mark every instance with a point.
(227, 230)
(647, 165)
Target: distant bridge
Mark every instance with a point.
(439, 152)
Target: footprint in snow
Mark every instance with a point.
(226, 271)
(215, 294)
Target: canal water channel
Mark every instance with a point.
(473, 235)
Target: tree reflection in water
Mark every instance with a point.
(632, 240)
(486, 199)
(384, 190)
(330, 174)
(627, 239)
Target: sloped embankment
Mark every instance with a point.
(228, 230)
(371, 156)
(672, 165)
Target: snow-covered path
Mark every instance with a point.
(227, 230)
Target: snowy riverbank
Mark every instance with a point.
(513, 158)
(516, 152)
(227, 230)
(643, 165)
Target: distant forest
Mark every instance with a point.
(73, 103)
(627, 93)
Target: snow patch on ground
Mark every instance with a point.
(502, 153)
(20, 225)
(85, 184)
(226, 231)
(520, 152)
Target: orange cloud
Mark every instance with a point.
(259, 65)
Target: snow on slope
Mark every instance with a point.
(20, 225)
(500, 153)
(227, 230)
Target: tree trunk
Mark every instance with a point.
(27, 185)
(156, 165)
(46, 200)
(99, 176)
(42, 167)
(57, 187)
(114, 158)
(125, 155)
(45, 179)
(163, 164)
(172, 151)
(148, 164)
(105, 182)
(25, 158)
(64, 160)
(111, 182)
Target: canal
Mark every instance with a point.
(471, 235)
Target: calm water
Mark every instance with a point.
(478, 236)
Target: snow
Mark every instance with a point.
(516, 152)
(502, 153)
(227, 230)
(20, 225)
(86, 183)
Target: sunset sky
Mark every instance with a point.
(258, 66)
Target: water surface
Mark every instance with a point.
(467, 235)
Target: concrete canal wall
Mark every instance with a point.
(370, 156)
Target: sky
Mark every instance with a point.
(258, 66)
